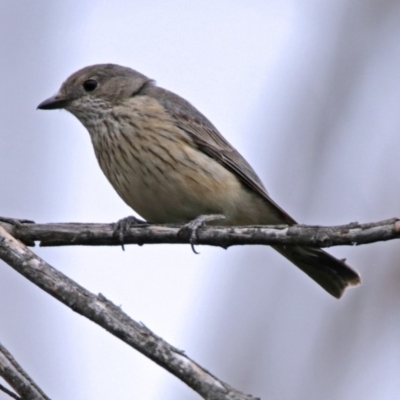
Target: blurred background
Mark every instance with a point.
(309, 92)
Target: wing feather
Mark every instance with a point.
(207, 138)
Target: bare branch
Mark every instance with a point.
(16, 377)
(67, 234)
(104, 313)
(113, 319)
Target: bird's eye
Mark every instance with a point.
(90, 85)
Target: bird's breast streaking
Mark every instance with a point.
(146, 158)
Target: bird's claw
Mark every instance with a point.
(122, 227)
(190, 229)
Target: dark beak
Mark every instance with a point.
(54, 102)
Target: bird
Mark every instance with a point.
(170, 164)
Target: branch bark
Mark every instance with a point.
(104, 313)
(70, 234)
(17, 378)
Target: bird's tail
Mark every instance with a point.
(329, 272)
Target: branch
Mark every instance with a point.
(16, 377)
(67, 234)
(104, 313)
(113, 319)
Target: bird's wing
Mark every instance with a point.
(212, 143)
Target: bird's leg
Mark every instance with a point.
(190, 229)
(122, 226)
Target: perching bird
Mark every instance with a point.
(171, 165)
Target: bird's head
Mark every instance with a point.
(96, 88)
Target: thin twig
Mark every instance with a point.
(18, 379)
(9, 392)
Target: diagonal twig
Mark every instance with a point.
(17, 378)
(104, 313)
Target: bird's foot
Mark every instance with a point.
(122, 227)
(190, 229)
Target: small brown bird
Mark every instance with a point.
(171, 165)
